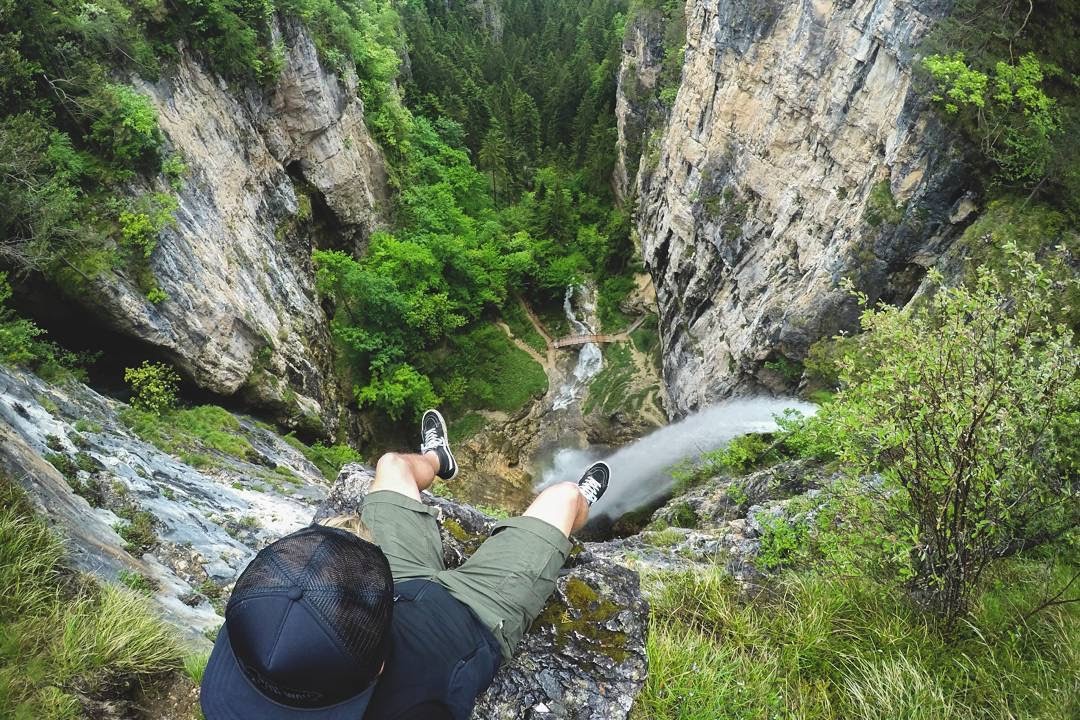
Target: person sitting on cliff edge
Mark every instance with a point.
(359, 617)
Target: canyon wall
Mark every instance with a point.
(797, 153)
(268, 169)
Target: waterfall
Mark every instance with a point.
(640, 471)
(590, 361)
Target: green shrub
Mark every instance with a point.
(740, 455)
(138, 532)
(154, 387)
(782, 541)
(141, 225)
(1007, 111)
(790, 370)
(328, 458)
(966, 405)
(126, 125)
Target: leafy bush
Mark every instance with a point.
(741, 455)
(154, 387)
(400, 392)
(21, 345)
(967, 406)
(1008, 111)
(140, 225)
(125, 124)
(17, 335)
(328, 458)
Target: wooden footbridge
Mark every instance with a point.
(572, 340)
(585, 339)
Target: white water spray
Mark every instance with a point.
(590, 360)
(640, 471)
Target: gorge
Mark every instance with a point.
(285, 228)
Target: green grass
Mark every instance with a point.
(63, 637)
(497, 375)
(518, 322)
(667, 537)
(195, 667)
(328, 458)
(609, 391)
(464, 427)
(190, 432)
(818, 647)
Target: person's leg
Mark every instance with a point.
(406, 473)
(561, 505)
(402, 526)
(510, 577)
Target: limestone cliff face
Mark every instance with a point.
(796, 154)
(241, 316)
(639, 71)
(490, 16)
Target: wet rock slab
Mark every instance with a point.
(584, 658)
(206, 523)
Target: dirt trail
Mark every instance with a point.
(543, 333)
(545, 362)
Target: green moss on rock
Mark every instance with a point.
(579, 614)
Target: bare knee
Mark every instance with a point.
(393, 472)
(391, 463)
(565, 492)
(560, 505)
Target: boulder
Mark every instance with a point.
(583, 658)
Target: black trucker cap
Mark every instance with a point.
(306, 631)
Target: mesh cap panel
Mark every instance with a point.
(345, 580)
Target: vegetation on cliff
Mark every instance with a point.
(64, 639)
(936, 575)
(502, 155)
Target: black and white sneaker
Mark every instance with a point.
(434, 438)
(594, 482)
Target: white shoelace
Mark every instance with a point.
(433, 440)
(590, 488)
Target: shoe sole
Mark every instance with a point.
(446, 434)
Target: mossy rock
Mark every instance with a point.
(579, 614)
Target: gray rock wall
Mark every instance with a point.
(753, 200)
(635, 102)
(242, 316)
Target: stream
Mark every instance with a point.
(590, 360)
(640, 471)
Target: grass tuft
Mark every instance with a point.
(63, 637)
(830, 648)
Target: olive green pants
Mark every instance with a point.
(506, 582)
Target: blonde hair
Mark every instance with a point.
(350, 523)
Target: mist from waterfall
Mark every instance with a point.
(590, 360)
(640, 471)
